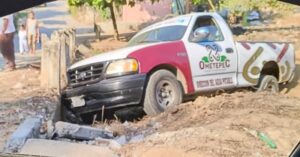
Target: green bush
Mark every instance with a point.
(241, 6)
(76, 2)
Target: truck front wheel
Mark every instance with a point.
(268, 83)
(163, 91)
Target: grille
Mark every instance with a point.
(86, 75)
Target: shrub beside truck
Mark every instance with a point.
(164, 62)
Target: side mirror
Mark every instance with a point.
(200, 34)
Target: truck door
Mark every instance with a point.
(213, 58)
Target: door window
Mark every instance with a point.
(207, 24)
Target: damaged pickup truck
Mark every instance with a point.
(164, 62)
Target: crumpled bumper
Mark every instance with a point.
(110, 93)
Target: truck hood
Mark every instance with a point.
(111, 55)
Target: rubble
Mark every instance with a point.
(137, 138)
(112, 144)
(121, 140)
(79, 132)
(28, 129)
(22, 98)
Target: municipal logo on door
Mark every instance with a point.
(214, 60)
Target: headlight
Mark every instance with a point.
(121, 67)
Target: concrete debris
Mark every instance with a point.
(51, 148)
(112, 144)
(28, 129)
(122, 140)
(14, 113)
(137, 138)
(78, 132)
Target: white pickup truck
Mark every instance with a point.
(188, 54)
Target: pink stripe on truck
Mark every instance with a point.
(170, 53)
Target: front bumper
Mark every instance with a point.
(110, 93)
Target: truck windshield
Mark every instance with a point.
(169, 33)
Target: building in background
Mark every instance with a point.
(146, 11)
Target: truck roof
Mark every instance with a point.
(183, 20)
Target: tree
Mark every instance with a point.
(210, 3)
(239, 6)
(103, 4)
(246, 5)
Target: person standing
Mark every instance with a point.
(7, 29)
(23, 44)
(32, 31)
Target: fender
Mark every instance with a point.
(170, 53)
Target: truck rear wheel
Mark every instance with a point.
(163, 91)
(268, 83)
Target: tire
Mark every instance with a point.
(163, 91)
(268, 83)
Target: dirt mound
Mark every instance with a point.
(225, 125)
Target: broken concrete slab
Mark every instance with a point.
(79, 132)
(42, 147)
(112, 144)
(122, 140)
(137, 138)
(28, 129)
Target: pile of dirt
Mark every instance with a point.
(225, 125)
